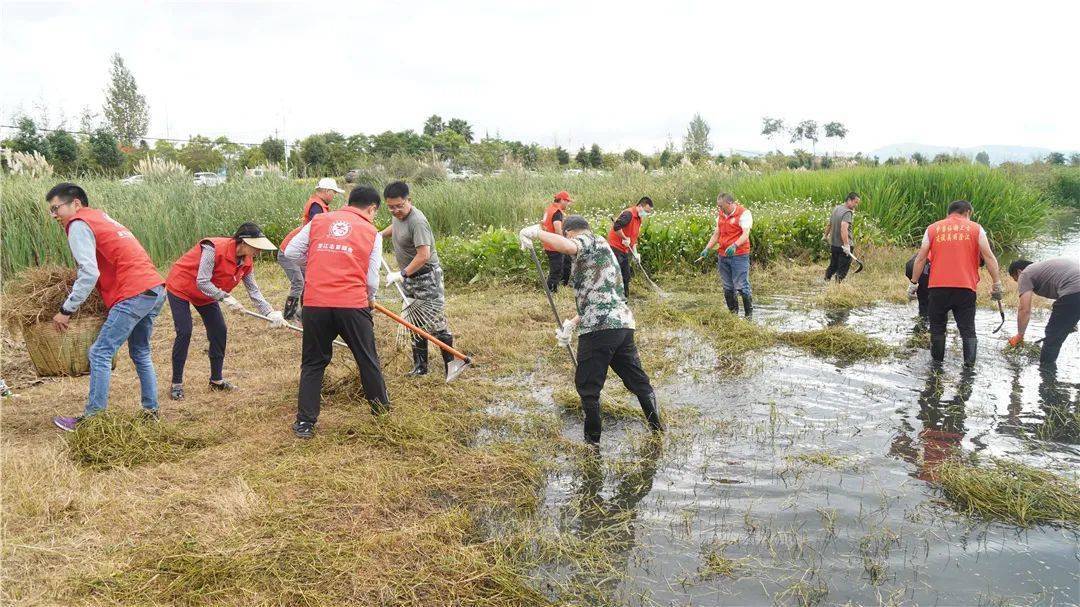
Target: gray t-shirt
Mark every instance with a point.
(409, 233)
(839, 215)
(1052, 279)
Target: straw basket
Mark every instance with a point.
(54, 353)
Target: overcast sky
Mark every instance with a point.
(620, 73)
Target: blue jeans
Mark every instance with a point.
(130, 320)
(735, 273)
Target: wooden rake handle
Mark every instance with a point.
(422, 333)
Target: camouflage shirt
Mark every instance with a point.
(598, 288)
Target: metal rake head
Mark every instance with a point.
(420, 312)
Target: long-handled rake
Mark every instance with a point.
(420, 312)
(454, 367)
(337, 342)
(652, 284)
(551, 301)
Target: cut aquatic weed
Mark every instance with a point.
(839, 343)
(823, 459)
(715, 565)
(1010, 492)
(111, 440)
(568, 399)
(1022, 351)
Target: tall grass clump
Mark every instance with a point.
(1010, 492)
(904, 200)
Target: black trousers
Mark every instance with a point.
(216, 333)
(627, 272)
(923, 293)
(1063, 318)
(960, 301)
(558, 270)
(596, 352)
(321, 327)
(839, 264)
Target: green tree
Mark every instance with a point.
(808, 130)
(562, 156)
(125, 108)
(273, 149)
(582, 158)
(665, 158)
(596, 157)
(315, 152)
(63, 150)
(983, 158)
(449, 144)
(1074, 160)
(105, 151)
(251, 157)
(631, 155)
(835, 130)
(200, 155)
(1055, 158)
(434, 125)
(165, 150)
(772, 128)
(696, 143)
(462, 128)
(358, 145)
(27, 139)
(918, 158)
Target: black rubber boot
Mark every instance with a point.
(937, 347)
(748, 305)
(419, 359)
(651, 410)
(732, 303)
(971, 348)
(448, 339)
(289, 311)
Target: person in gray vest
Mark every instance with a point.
(1057, 279)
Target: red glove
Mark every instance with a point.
(1016, 340)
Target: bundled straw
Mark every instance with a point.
(36, 294)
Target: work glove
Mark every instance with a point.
(997, 291)
(704, 253)
(626, 242)
(1016, 340)
(232, 303)
(566, 333)
(394, 277)
(637, 255)
(527, 235)
(847, 249)
(728, 252)
(912, 291)
(277, 319)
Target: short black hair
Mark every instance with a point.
(67, 192)
(575, 222)
(398, 189)
(363, 196)
(959, 206)
(852, 196)
(1018, 266)
(645, 200)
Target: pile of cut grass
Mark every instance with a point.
(1024, 351)
(842, 344)
(36, 294)
(113, 440)
(1010, 492)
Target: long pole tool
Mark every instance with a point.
(551, 301)
(455, 367)
(337, 342)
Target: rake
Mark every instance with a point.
(454, 367)
(420, 312)
(652, 284)
(337, 342)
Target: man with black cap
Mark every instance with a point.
(342, 251)
(204, 277)
(605, 324)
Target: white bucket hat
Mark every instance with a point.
(328, 183)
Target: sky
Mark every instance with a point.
(621, 74)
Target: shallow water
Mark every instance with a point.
(869, 530)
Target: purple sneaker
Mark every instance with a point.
(67, 424)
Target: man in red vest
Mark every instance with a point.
(732, 241)
(204, 277)
(623, 237)
(956, 245)
(342, 251)
(319, 202)
(558, 264)
(109, 256)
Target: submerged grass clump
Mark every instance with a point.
(112, 440)
(1010, 492)
(839, 343)
(1023, 351)
(820, 458)
(568, 399)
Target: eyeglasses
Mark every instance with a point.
(53, 208)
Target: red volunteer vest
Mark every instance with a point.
(227, 274)
(339, 250)
(954, 247)
(288, 237)
(125, 268)
(307, 208)
(548, 222)
(731, 230)
(631, 230)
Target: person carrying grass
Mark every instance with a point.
(319, 202)
(839, 233)
(342, 251)
(204, 277)
(421, 276)
(604, 322)
(956, 244)
(623, 237)
(732, 241)
(552, 222)
(109, 257)
(1057, 279)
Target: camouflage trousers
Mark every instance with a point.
(427, 290)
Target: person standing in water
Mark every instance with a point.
(1057, 279)
(841, 237)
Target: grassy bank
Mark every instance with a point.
(792, 205)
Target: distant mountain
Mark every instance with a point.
(997, 153)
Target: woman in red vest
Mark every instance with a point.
(203, 277)
(623, 237)
(109, 257)
(558, 264)
(956, 244)
(732, 241)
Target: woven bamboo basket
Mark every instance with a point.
(62, 354)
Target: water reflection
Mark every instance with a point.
(1058, 417)
(942, 420)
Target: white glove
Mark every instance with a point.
(626, 242)
(847, 249)
(277, 320)
(566, 333)
(394, 277)
(637, 255)
(527, 235)
(912, 291)
(232, 303)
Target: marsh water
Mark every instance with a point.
(808, 481)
